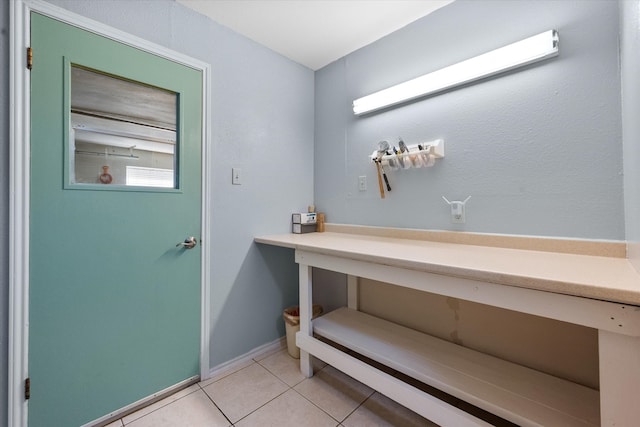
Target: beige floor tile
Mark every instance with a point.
(241, 393)
(284, 367)
(380, 411)
(117, 423)
(334, 392)
(288, 409)
(225, 372)
(194, 410)
(159, 404)
(287, 368)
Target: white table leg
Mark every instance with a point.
(352, 292)
(306, 293)
(619, 379)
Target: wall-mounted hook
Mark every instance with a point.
(457, 210)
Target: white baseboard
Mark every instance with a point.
(242, 360)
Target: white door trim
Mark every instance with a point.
(19, 185)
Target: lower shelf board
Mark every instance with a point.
(516, 393)
(481, 414)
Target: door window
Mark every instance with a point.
(122, 133)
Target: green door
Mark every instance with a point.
(114, 304)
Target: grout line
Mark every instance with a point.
(360, 405)
(278, 377)
(314, 404)
(261, 406)
(265, 404)
(289, 388)
(332, 417)
(216, 405)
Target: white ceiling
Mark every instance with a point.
(314, 32)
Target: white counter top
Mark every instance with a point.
(599, 277)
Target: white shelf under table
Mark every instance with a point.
(519, 394)
(583, 286)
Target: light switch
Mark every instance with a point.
(236, 176)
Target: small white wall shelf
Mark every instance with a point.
(416, 156)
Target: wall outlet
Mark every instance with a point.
(362, 183)
(236, 176)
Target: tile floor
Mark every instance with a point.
(271, 391)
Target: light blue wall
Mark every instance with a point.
(538, 150)
(262, 122)
(630, 46)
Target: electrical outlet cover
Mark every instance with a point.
(236, 176)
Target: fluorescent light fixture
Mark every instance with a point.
(519, 54)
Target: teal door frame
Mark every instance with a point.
(20, 28)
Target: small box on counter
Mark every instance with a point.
(304, 218)
(303, 228)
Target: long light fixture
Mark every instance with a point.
(518, 54)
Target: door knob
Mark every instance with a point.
(189, 243)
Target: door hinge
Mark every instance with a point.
(29, 58)
(27, 389)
